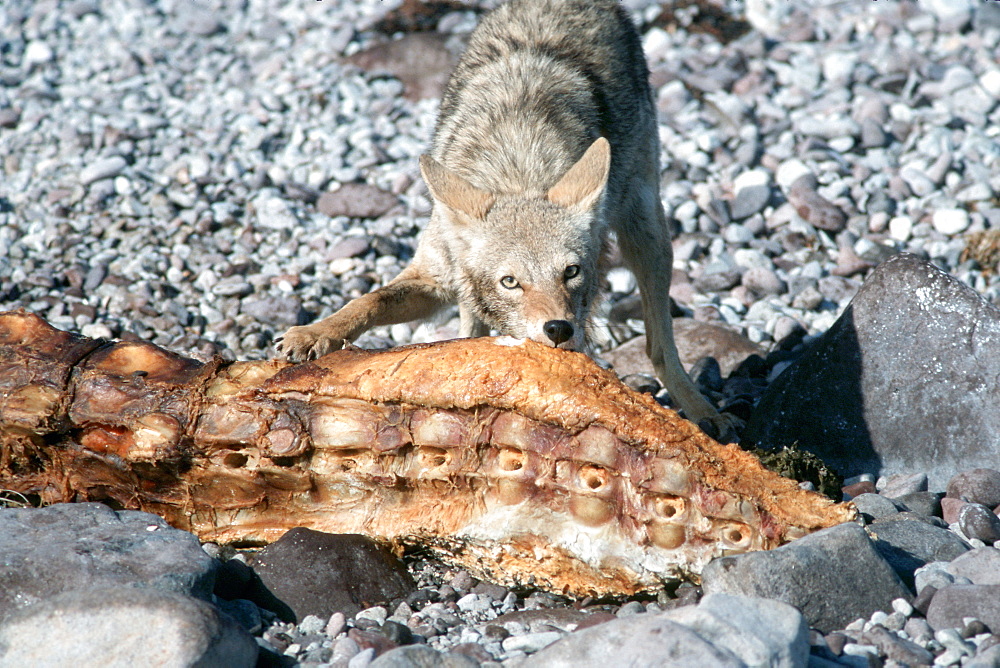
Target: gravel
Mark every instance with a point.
(205, 178)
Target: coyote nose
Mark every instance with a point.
(559, 331)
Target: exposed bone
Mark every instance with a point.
(526, 464)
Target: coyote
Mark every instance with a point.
(546, 140)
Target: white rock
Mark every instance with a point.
(789, 171)
(950, 221)
(38, 53)
(753, 177)
(900, 228)
(990, 81)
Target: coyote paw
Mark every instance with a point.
(307, 342)
(723, 427)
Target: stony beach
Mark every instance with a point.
(205, 176)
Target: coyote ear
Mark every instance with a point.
(582, 185)
(454, 191)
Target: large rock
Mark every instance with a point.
(124, 626)
(833, 577)
(908, 543)
(314, 573)
(643, 641)
(952, 604)
(65, 547)
(904, 381)
(721, 630)
(759, 631)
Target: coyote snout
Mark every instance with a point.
(546, 139)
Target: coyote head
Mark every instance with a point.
(526, 264)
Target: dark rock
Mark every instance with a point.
(922, 601)
(695, 340)
(421, 60)
(313, 573)
(976, 486)
(977, 521)
(896, 385)
(422, 656)
(398, 634)
(952, 604)
(907, 544)
(123, 626)
(244, 612)
(981, 566)
(922, 503)
(70, 546)
(234, 579)
(833, 577)
(874, 506)
(356, 200)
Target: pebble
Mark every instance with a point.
(102, 169)
(951, 221)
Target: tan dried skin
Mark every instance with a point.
(526, 464)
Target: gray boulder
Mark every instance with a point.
(908, 543)
(124, 626)
(65, 547)
(904, 381)
(833, 577)
(641, 641)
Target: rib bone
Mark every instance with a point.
(526, 464)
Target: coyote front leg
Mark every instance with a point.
(646, 248)
(410, 296)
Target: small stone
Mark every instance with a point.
(102, 169)
(749, 200)
(762, 281)
(813, 207)
(977, 521)
(9, 117)
(530, 643)
(336, 624)
(950, 221)
(356, 200)
(900, 228)
(873, 134)
(38, 52)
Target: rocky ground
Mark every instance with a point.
(204, 177)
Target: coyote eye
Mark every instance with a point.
(509, 282)
(572, 271)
